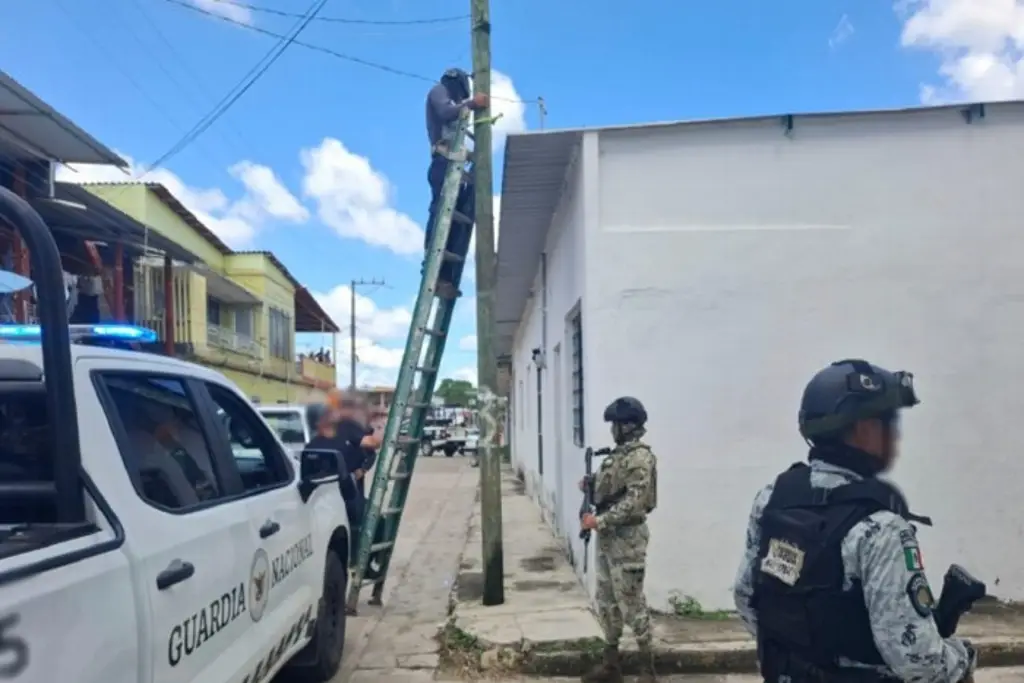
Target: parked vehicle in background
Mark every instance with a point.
(456, 440)
(435, 435)
(294, 424)
(472, 442)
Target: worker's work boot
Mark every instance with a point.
(608, 671)
(647, 673)
(446, 290)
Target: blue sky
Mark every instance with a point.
(323, 161)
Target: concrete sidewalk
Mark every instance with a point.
(547, 627)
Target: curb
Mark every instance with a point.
(721, 658)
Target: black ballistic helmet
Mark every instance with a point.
(625, 409)
(457, 82)
(851, 390)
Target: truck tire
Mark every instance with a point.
(321, 658)
(449, 449)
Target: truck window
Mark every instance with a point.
(288, 424)
(259, 458)
(161, 441)
(25, 454)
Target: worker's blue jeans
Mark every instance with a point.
(459, 235)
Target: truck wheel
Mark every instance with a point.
(449, 450)
(321, 658)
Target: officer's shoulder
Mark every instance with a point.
(881, 528)
(641, 451)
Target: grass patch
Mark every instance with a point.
(688, 607)
(586, 645)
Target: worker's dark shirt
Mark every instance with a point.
(441, 111)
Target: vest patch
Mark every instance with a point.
(783, 561)
(920, 594)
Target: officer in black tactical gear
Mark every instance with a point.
(832, 581)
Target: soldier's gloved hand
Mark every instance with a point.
(585, 481)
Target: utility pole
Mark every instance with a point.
(486, 275)
(352, 328)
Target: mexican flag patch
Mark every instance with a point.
(912, 556)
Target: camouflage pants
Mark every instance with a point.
(620, 598)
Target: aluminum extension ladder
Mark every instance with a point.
(400, 448)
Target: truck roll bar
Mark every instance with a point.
(51, 307)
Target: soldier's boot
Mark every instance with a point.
(647, 672)
(608, 671)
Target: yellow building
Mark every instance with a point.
(237, 312)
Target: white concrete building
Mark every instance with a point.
(710, 268)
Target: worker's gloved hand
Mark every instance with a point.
(480, 100)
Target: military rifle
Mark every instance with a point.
(587, 506)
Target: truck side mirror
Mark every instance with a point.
(318, 466)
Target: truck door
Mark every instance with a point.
(192, 544)
(280, 521)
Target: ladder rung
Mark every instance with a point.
(399, 476)
(377, 547)
(426, 369)
(434, 332)
(390, 512)
(452, 256)
(406, 441)
(460, 217)
(418, 404)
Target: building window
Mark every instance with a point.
(243, 322)
(212, 311)
(576, 331)
(280, 334)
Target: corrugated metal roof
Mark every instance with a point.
(535, 172)
(30, 128)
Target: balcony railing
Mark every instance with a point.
(229, 340)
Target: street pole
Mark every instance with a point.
(486, 267)
(352, 329)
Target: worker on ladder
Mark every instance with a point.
(445, 101)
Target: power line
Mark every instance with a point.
(243, 86)
(326, 50)
(344, 20)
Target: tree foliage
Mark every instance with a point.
(456, 392)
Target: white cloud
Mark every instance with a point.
(372, 321)
(467, 373)
(354, 199)
(468, 343)
(841, 33)
(377, 362)
(470, 273)
(505, 100)
(234, 221)
(980, 43)
(226, 9)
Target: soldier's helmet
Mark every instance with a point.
(851, 390)
(626, 409)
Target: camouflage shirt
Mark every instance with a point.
(881, 553)
(629, 477)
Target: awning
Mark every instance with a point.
(310, 315)
(224, 289)
(77, 213)
(30, 128)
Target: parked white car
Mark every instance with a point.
(205, 553)
(295, 424)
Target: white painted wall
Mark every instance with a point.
(556, 489)
(726, 263)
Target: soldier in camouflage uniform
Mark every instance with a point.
(832, 583)
(625, 492)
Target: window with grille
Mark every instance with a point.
(576, 333)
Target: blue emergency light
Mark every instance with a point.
(83, 333)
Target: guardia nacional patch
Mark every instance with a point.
(783, 561)
(920, 594)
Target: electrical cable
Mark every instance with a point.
(326, 50)
(343, 20)
(250, 79)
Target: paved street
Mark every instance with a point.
(396, 642)
(1007, 675)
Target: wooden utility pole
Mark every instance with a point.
(352, 330)
(486, 275)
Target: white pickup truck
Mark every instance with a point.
(181, 546)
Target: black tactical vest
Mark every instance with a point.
(806, 621)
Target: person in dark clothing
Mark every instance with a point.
(445, 101)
